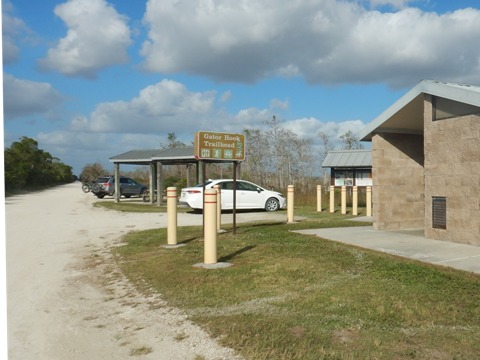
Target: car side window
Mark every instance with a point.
(246, 186)
(227, 185)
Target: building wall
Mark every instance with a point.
(452, 170)
(398, 181)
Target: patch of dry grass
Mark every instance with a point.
(292, 296)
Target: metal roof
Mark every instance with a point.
(406, 114)
(348, 158)
(184, 152)
(145, 157)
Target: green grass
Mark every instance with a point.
(292, 296)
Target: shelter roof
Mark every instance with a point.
(348, 158)
(144, 157)
(406, 114)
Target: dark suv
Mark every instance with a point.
(105, 185)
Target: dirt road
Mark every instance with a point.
(67, 300)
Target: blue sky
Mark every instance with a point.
(90, 79)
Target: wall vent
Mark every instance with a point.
(439, 212)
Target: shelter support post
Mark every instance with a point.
(152, 177)
(159, 184)
(116, 175)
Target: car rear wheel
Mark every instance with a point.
(272, 204)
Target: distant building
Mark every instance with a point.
(426, 162)
(349, 167)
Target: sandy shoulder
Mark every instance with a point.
(66, 298)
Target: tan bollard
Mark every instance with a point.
(172, 215)
(210, 227)
(332, 198)
(290, 203)
(369, 201)
(319, 198)
(219, 207)
(344, 200)
(355, 201)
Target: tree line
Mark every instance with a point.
(28, 167)
(275, 158)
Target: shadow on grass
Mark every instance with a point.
(186, 241)
(236, 253)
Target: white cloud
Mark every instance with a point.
(396, 4)
(98, 37)
(25, 98)
(170, 107)
(325, 41)
(158, 108)
(14, 31)
(310, 128)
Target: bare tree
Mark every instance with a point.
(350, 141)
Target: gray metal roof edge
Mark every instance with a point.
(469, 94)
(114, 160)
(184, 157)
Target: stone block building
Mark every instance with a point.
(426, 162)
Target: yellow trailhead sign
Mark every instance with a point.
(219, 146)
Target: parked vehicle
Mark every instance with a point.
(128, 187)
(248, 196)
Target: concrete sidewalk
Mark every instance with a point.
(409, 244)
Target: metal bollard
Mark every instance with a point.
(319, 198)
(355, 201)
(369, 201)
(210, 227)
(332, 198)
(172, 215)
(290, 203)
(344, 200)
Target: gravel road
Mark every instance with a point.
(66, 299)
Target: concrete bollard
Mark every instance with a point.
(172, 215)
(290, 203)
(210, 227)
(219, 207)
(344, 200)
(355, 201)
(319, 198)
(332, 198)
(369, 201)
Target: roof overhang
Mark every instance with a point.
(405, 116)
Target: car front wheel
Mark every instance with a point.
(272, 204)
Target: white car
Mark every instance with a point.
(249, 196)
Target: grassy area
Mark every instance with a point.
(292, 296)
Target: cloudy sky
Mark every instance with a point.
(90, 79)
